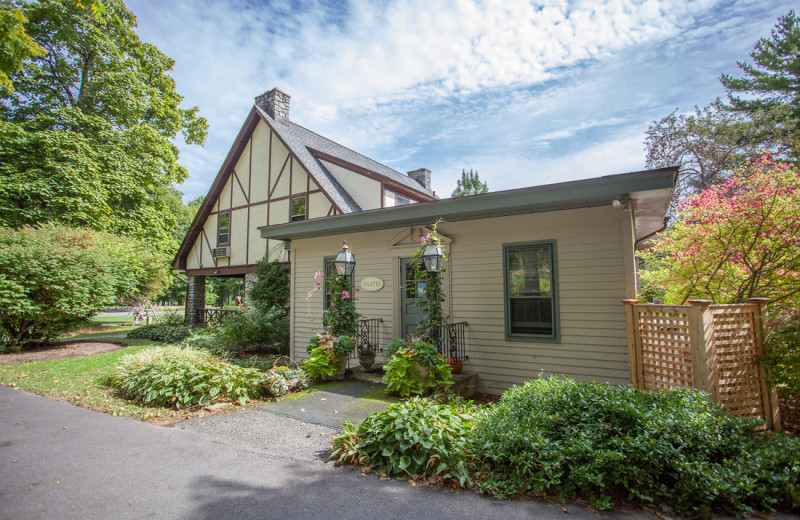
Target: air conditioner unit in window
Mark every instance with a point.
(221, 252)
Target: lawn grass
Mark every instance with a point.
(83, 381)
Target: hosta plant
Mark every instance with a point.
(415, 437)
(184, 377)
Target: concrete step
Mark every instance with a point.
(465, 384)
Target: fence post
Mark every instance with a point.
(701, 332)
(634, 344)
(769, 399)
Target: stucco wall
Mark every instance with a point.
(257, 192)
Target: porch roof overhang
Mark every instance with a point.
(649, 192)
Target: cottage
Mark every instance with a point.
(535, 276)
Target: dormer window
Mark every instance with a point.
(298, 209)
(224, 229)
(391, 199)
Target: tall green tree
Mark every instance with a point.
(763, 114)
(15, 45)
(771, 84)
(707, 144)
(85, 139)
(469, 184)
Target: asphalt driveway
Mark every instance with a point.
(61, 461)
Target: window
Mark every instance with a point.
(530, 291)
(298, 209)
(391, 199)
(329, 269)
(224, 229)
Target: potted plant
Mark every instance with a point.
(456, 365)
(328, 356)
(366, 356)
(415, 367)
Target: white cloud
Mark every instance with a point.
(438, 82)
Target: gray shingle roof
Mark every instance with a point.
(302, 141)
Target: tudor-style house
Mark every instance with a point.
(535, 276)
(278, 172)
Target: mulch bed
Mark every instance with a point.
(61, 350)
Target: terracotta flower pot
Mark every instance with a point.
(455, 365)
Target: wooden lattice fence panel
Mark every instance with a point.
(713, 348)
(735, 344)
(666, 351)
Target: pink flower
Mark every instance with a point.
(319, 283)
(309, 295)
(345, 294)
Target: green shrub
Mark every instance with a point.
(415, 369)
(54, 277)
(271, 289)
(254, 330)
(783, 344)
(184, 377)
(558, 436)
(415, 437)
(324, 362)
(164, 333)
(281, 374)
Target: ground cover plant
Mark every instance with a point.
(84, 381)
(185, 377)
(164, 333)
(414, 437)
(415, 367)
(675, 450)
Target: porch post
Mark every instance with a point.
(769, 398)
(249, 280)
(704, 352)
(195, 298)
(634, 344)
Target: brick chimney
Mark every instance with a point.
(422, 176)
(275, 103)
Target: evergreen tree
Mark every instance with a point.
(771, 84)
(469, 184)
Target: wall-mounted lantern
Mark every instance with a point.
(345, 262)
(433, 258)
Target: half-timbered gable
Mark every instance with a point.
(278, 172)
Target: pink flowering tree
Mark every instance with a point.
(736, 240)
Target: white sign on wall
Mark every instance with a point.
(372, 283)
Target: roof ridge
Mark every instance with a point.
(346, 148)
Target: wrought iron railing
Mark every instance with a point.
(450, 341)
(212, 317)
(368, 334)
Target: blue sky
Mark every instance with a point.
(526, 93)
